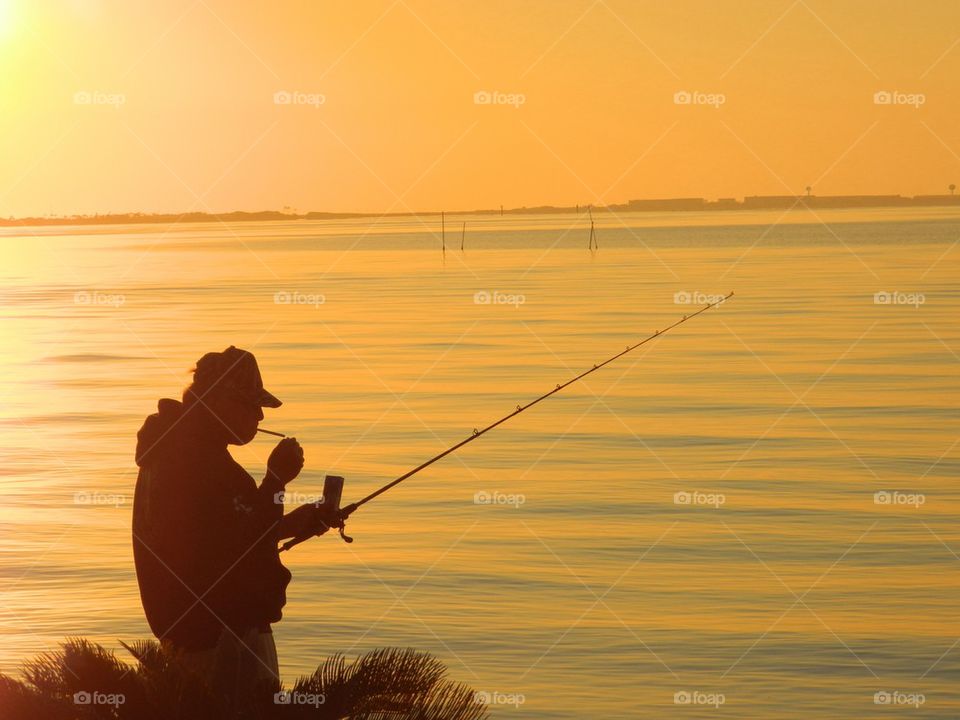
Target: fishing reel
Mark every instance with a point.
(332, 491)
(340, 525)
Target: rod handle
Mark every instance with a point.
(344, 513)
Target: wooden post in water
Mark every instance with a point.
(463, 233)
(593, 233)
(443, 234)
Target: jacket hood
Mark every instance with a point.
(155, 433)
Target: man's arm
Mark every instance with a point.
(284, 464)
(305, 520)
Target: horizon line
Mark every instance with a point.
(676, 204)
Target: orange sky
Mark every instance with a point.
(181, 112)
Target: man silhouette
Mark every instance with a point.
(205, 534)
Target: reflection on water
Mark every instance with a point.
(700, 517)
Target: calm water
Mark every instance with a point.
(785, 586)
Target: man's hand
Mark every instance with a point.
(286, 461)
(307, 520)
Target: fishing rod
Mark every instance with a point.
(335, 483)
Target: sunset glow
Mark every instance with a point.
(380, 110)
(479, 359)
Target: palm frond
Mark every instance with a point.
(20, 700)
(147, 652)
(385, 684)
(393, 683)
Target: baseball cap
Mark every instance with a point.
(234, 369)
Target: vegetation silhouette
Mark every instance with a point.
(84, 681)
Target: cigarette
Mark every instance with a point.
(270, 432)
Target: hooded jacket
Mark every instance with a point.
(204, 535)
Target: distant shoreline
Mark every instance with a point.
(756, 202)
